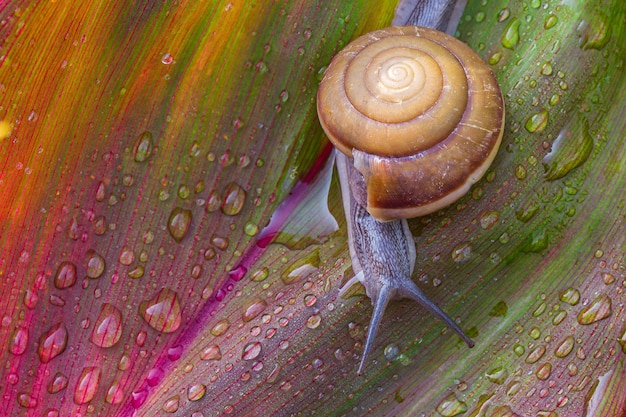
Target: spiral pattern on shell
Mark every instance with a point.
(419, 112)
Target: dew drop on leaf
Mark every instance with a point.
(19, 341)
(65, 275)
(510, 37)
(570, 149)
(497, 375)
(107, 329)
(251, 351)
(301, 269)
(178, 223)
(462, 252)
(391, 352)
(143, 147)
(26, 400)
(114, 394)
(570, 296)
(543, 372)
(171, 404)
(211, 353)
(95, 264)
(233, 200)
(594, 30)
(314, 321)
(52, 343)
(550, 21)
(254, 308)
(220, 327)
(87, 385)
(565, 347)
(58, 383)
(535, 354)
(260, 275)
(598, 309)
(537, 122)
(451, 406)
(162, 312)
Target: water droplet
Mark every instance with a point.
(451, 406)
(622, 340)
(550, 21)
(535, 354)
(251, 351)
(546, 68)
(127, 256)
(234, 198)
(565, 347)
(314, 321)
(499, 310)
(570, 149)
(87, 385)
(497, 375)
(95, 264)
(302, 268)
(543, 372)
(57, 383)
(196, 392)
(254, 308)
(143, 147)
(537, 241)
(527, 209)
(171, 404)
(570, 296)
(175, 352)
(594, 30)
(114, 394)
(220, 327)
(537, 122)
(52, 343)
(167, 58)
(310, 300)
(488, 219)
(178, 223)
(107, 329)
(510, 37)
(462, 252)
(211, 353)
(26, 400)
(19, 341)
(391, 352)
(138, 398)
(260, 275)
(219, 242)
(251, 229)
(598, 309)
(237, 273)
(162, 312)
(65, 276)
(183, 192)
(495, 58)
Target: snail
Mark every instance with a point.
(416, 118)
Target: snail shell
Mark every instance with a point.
(420, 114)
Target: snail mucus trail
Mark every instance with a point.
(416, 118)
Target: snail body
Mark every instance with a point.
(416, 118)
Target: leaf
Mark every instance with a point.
(136, 130)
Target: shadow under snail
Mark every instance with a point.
(417, 118)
